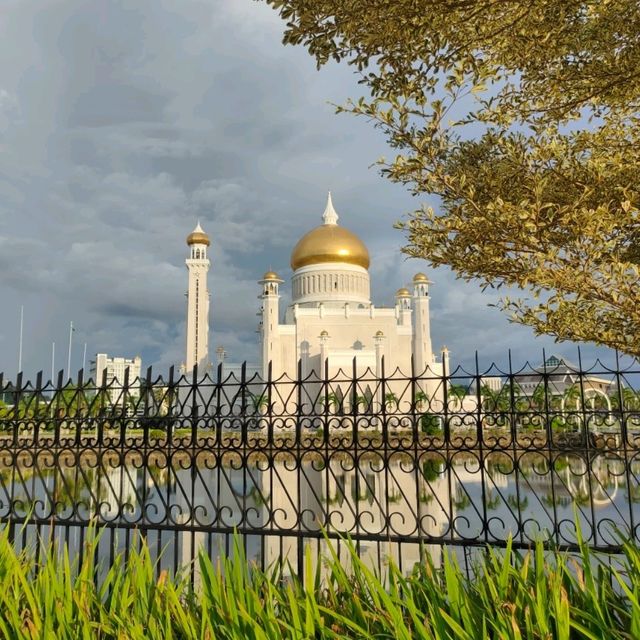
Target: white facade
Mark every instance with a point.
(197, 351)
(113, 371)
(493, 383)
(332, 320)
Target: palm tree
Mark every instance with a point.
(360, 401)
(489, 398)
(630, 399)
(420, 398)
(259, 402)
(457, 392)
(390, 400)
(539, 398)
(332, 401)
(571, 395)
(520, 400)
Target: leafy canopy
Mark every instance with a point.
(522, 117)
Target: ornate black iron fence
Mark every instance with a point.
(402, 463)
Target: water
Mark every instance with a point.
(389, 502)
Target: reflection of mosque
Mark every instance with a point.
(283, 507)
(383, 503)
(388, 502)
(282, 503)
(274, 507)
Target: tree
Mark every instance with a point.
(72, 401)
(630, 398)
(522, 117)
(457, 392)
(332, 401)
(573, 396)
(494, 400)
(364, 403)
(259, 402)
(420, 399)
(539, 398)
(391, 401)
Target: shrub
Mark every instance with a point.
(430, 424)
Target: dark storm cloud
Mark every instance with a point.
(122, 123)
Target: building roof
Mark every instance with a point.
(329, 243)
(198, 236)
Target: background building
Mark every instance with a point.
(561, 375)
(114, 371)
(493, 383)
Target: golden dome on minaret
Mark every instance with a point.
(329, 243)
(198, 236)
(271, 275)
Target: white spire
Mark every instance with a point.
(198, 228)
(330, 216)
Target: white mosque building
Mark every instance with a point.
(331, 320)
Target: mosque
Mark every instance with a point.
(330, 327)
(331, 322)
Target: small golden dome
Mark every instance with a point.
(403, 293)
(329, 243)
(270, 275)
(324, 333)
(420, 277)
(198, 236)
(379, 334)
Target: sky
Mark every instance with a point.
(124, 123)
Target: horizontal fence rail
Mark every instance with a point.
(404, 463)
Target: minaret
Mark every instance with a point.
(197, 301)
(270, 297)
(403, 304)
(422, 351)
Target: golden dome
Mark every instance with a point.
(270, 275)
(403, 293)
(329, 243)
(379, 334)
(420, 277)
(198, 236)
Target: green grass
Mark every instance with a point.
(535, 595)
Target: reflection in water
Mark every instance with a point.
(279, 504)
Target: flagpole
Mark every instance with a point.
(69, 354)
(53, 369)
(20, 342)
